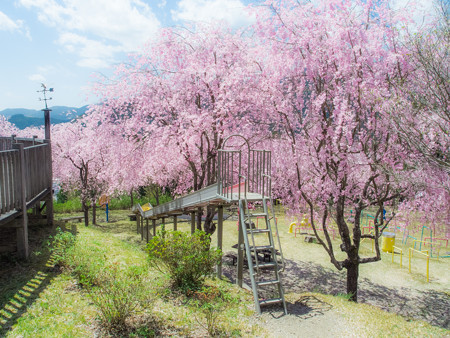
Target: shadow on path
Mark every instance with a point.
(430, 306)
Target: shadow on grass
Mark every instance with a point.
(21, 282)
(429, 305)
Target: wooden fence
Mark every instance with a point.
(25, 180)
(31, 156)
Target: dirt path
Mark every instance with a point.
(430, 305)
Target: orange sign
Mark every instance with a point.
(104, 199)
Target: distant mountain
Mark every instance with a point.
(23, 118)
(21, 121)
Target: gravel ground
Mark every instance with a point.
(313, 318)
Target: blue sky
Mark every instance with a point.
(63, 42)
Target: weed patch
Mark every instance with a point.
(188, 259)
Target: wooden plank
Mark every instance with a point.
(17, 190)
(2, 185)
(22, 233)
(10, 178)
(39, 197)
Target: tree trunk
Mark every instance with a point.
(209, 227)
(86, 212)
(199, 218)
(94, 213)
(352, 281)
(131, 199)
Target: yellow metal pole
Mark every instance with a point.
(428, 269)
(410, 259)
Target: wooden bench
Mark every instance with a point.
(72, 218)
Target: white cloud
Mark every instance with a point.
(37, 78)
(93, 53)
(8, 24)
(110, 26)
(231, 11)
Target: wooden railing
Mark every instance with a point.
(9, 194)
(25, 172)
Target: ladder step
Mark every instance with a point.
(266, 264)
(270, 301)
(256, 215)
(257, 231)
(263, 247)
(268, 282)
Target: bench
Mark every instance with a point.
(72, 218)
(132, 217)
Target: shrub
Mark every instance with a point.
(60, 243)
(187, 258)
(211, 301)
(118, 295)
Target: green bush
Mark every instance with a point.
(118, 295)
(187, 258)
(71, 204)
(60, 244)
(212, 302)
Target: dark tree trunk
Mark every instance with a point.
(352, 281)
(94, 213)
(209, 227)
(156, 195)
(131, 199)
(199, 218)
(86, 212)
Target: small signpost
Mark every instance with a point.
(104, 202)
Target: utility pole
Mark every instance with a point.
(46, 110)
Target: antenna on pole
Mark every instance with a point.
(45, 91)
(46, 110)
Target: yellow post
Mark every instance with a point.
(428, 268)
(410, 255)
(291, 227)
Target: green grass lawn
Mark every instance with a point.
(39, 299)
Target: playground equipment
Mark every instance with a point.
(236, 184)
(305, 225)
(421, 236)
(291, 227)
(401, 254)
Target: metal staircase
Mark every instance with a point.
(264, 271)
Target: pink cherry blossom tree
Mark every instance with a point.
(78, 161)
(329, 82)
(180, 97)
